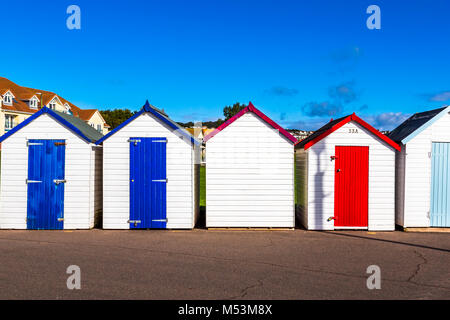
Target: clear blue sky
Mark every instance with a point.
(300, 62)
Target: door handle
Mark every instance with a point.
(338, 170)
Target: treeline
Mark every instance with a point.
(209, 124)
(116, 116)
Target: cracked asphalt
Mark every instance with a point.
(201, 264)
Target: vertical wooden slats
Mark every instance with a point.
(147, 188)
(440, 190)
(45, 199)
(351, 191)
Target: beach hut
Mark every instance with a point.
(150, 173)
(423, 170)
(345, 174)
(50, 173)
(250, 173)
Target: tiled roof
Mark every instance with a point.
(24, 93)
(86, 129)
(86, 114)
(78, 126)
(413, 123)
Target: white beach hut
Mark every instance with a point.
(150, 174)
(50, 173)
(346, 177)
(423, 170)
(250, 173)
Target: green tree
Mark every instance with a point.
(230, 111)
(117, 116)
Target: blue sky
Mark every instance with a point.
(300, 62)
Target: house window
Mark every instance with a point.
(33, 103)
(9, 122)
(7, 99)
(52, 105)
(68, 111)
(99, 128)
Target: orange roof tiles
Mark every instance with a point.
(24, 93)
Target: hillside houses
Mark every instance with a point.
(17, 103)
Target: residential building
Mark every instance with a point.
(18, 103)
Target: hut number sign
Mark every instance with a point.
(352, 130)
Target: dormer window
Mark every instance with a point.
(34, 103)
(8, 99)
(68, 111)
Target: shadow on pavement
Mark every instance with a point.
(384, 240)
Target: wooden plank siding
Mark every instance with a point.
(79, 193)
(249, 176)
(321, 173)
(417, 170)
(181, 208)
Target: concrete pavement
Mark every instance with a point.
(201, 264)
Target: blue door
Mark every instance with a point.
(148, 183)
(45, 184)
(440, 188)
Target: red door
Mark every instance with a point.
(351, 187)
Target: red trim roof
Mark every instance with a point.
(352, 117)
(251, 108)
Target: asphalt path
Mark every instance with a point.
(206, 264)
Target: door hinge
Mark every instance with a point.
(60, 219)
(161, 180)
(135, 141)
(333, 158)
(58, 181)
(135, 222)
(60, 143)
(162, 141)
(34, 144)
(32, 181)
(160, 220)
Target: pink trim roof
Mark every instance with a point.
(251, 108)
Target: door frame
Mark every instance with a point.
(432, 142)
(54, 182)
(149, 182)
(368, 189)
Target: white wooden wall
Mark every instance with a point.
(78, 209)
(249, 176)
(321, 178)
(418, 173)
(116, 174)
